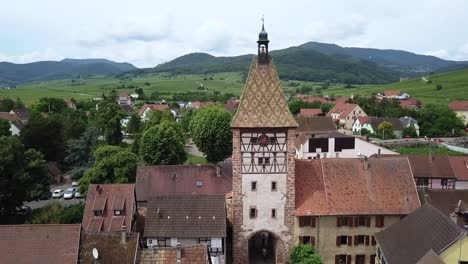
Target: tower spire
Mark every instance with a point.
(263, 44)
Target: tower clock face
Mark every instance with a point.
(263, 152)
(263, 140)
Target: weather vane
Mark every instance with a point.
(263, 19)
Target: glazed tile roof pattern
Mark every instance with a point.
(430, 258)
(108, 198)
(263, 103)
(344, 187)
(446, 201)
(197, 254)
(431, 166)
(460, 167)
(186, 216)
(459, 105)
(310, 112)
(426, 228)
(41, 244)
(109, 247)
(343, 109)
(181, 179)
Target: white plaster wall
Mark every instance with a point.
(14, 130)
(264, 200)
(463, 115)
(461, 185)
(436, 184)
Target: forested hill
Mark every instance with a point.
(14, 74)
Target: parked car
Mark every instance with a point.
(74, 184)
(69, 193)
(23, 210)
(78, 195)
(58, 193)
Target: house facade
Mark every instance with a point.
(461, 109)
(147, 109)
(460, 168)
(15, 123)
(372, 125)
(407, 122)
(432, 171)
(345, 114)
(124, 99)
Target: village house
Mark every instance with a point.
(342, 203)
(124, 99)
(453, 203)
(393, 94)
(147, 109)
(197, 254)
(358, 124)
(372, 125)
(22, 114)
(16, 125)
(187, 220)
(110, 208)
(110, 247)
(407, 122)
(410, 103)
(424, 235)
(308, 112)
(461, 109)
(432, 171)
(52, 244)
(460, 169)
(70, 104)
(197, 104)
(345, 114)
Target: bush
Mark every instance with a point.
(304, 254)
(439, 87)
(55, 213)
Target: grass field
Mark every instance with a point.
(454, 86)
(424, 150)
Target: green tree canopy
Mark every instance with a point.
(55, 214)
(51, 105)
(112, 165)
(296, 105)
(108, 117)
(157, 117)
(45, 134)
(163, 144)
(4, 128)
(6, 104)
(210, 130)
(439, 121)
(134, 124)
(410, 132)
(22, 174)
(385, 130)
(304, 254)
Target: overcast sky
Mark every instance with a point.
(147, 33)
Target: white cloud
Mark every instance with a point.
(440, 53)
(336, 30)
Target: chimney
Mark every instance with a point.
(366, 164)
(174, 176)
(378, 152)
(179, 252)
(123, 235)
(454, 217)
(218, 170)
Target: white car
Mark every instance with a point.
(78, 195)
(69, 193)
(57, 193)
(74, 184)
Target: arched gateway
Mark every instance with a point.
(263, 166)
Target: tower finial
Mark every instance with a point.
(263, 22)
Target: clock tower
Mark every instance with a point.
(263, 166)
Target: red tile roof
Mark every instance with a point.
(391, 92)
(197, 254)
(153, 107)
(110, 248)
(410, 103)
(344, 187)
(343, 109)
(431, 166)
(39, 244)
(109, 197)
(460, 167)
(123, 94)
(313, 99)
(9, 117)
(362, 119)
(459, 105)
(310, 112)
(180, 179)
(201, 104)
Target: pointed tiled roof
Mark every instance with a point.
(263, 103)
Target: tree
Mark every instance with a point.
(45, 134)
(6, 104)
(107, 118)
(134, 124)
(4, 128)
(296, 105)
(163, 144)
(55, 213)
(112, 165)
(186, 119)
(304, 254)
(140, 92)
(74, 123)
(211, 132)
(385, 129)
(410, 132)
(22, 174)
(439, 121)
(80, 152)
(439, 87)
(51, 105)
(157, 117)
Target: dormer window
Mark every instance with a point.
(98, 212)
(117, 212)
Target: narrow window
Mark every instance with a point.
(273, 186)
(253, 212)
(117, 212)
(273, 213)
(360, 259)
(253, 186)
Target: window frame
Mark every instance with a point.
(274, 186)
(253, 186)
(255, 214)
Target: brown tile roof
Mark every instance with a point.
(391, 92)
(426, 228)
(197, 254)
(306, 112)
(446, 201)
(376, 121)
(431, 166)
(9, 117)
(263, 103)
(153, 107)
(312, 99)
(460, 167)
(109, 247)
(343, 187)
(362, 119)
(202, 104)
(315, 124)
(459, 105)
(22, 113)
(109, 197)
(343, 109)
(180, 179)
(41, 244)
(410, 103)
(430, 258)
(186, 216)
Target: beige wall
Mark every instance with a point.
(326, 231)
(349, 120)
(463, 115)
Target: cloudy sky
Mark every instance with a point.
(147, 33)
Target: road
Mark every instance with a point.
(42, 203)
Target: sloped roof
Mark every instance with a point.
(313, 99)
(314, 124)
(343, 187)
(376, 121)
(109, 197)
(391, 92)
(306, 112)
(153, 107)
(181, 179)
(430, 258)
(263, 103)
(197, 254)
(460, 167)
(426, 228)
(446, 201)
(431, 166)
(409, 103)
(41, 244)
(109, 247)
(459, 105)
(186, 216)
(407, 121)
(343, 109)
(362, 119)
(9, 117)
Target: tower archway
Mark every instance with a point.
(266, 247)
